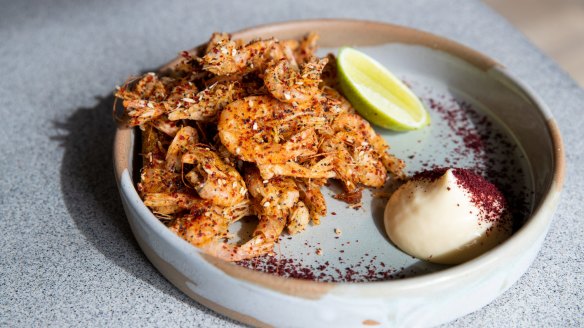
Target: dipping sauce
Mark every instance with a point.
(447, 216)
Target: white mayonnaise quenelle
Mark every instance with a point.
(448, 216)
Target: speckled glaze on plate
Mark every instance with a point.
(446, 76)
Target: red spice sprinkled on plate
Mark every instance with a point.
(326, 272)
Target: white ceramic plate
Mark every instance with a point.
(481, 119)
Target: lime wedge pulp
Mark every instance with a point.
(377, 94)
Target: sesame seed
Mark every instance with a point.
(266, 204)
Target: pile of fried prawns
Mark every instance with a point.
(238, 129)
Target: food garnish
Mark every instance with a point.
(377, 94)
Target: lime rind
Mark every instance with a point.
(377, 94)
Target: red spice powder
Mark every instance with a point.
(485, 195)
(364, 270)
(430, 175)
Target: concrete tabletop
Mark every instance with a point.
(67, 255)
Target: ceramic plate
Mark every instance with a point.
(345, 271)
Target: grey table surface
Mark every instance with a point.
(67, 255)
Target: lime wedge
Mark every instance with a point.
(377, 94)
